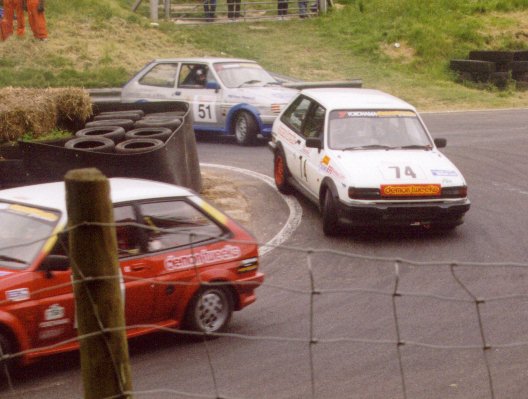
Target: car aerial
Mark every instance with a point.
(366, 159)
(190, 269)
(227, 96)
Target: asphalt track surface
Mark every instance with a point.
(326, 324)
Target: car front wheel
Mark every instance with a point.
(245, 128)
(281, 172)
(210, 309)
(330, 220)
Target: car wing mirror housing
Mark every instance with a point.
(440, 143)
(212, 85)
(314, 142)
(53, 263)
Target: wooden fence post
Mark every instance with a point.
(105, 364)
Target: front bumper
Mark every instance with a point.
(439, 214)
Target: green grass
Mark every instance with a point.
(101, 43)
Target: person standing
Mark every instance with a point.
(12, 8)
(303, 8)
(282, 8)
(233, 9)
(210, 10)
(37, 19)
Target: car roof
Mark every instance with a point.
(203, 59)
(53, 195)
(355, 98)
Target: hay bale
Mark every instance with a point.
(37, 112)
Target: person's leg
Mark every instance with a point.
(37, 20)
(7, 21)
(21, 26)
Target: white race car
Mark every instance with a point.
(228, 96)
(366, 159)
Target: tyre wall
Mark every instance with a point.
(176, 161)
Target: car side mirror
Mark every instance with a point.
(314, 142)
(440, 143)
(53, 263)
(213, 85)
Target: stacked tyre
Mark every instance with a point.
(125, 132)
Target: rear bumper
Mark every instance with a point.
(404, 214)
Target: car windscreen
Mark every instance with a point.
(25, 230)
(239, 74)
(350, 129)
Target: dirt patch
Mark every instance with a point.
(225, 195)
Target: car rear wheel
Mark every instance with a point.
(330, 220)
(281, 172)
(210, 309)
(245, 128)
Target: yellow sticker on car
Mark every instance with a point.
(410, 190)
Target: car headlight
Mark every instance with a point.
(363, 193)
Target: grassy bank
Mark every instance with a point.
(402, 47)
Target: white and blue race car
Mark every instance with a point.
(228, 96)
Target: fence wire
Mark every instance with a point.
(314, 290)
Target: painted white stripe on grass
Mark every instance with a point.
(294, 219)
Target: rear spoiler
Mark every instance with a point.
(355, 83)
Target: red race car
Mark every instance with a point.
(170, 242)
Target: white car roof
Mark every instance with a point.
(53, 195)
(206, 59)
(356, 98)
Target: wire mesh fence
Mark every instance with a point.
(410, 328)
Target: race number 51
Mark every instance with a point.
(204, 112)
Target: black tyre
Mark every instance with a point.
(96, 144)
(472, 66)
(134, 116)
(169, 114)
(210, 310)
(115, 133)
(169, 123)
(281, 172)
(126, 124)
(245, 128)
(160, 133)
(329, 211)
(492, 56)
(7, 366)
(134, 146)
(139, 112)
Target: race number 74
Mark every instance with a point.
(407, 171)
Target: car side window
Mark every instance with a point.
(295, 114)
(176, 223)
(194, 76)
(314, 123)
(161, 75)
(127, 233)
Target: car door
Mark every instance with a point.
(157, 81)
(290, 135)
(177, 237)
(313, 158)
(198, 86)
(137, 272)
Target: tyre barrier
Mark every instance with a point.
(126, 124)
(114, 133)
(96, 144)
(133, 146)
(160, 133)
(499, 68)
